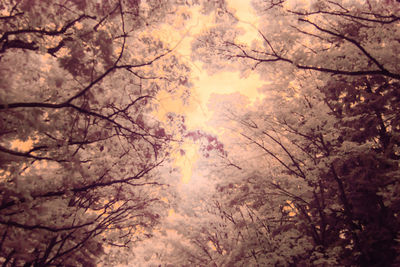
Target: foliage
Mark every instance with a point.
(317, 161)
(307, 176)
(78, 84)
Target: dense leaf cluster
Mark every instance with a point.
(312, 172)
(79, 147)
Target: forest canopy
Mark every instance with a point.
(78, 82)
(308, 175)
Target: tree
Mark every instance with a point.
(329, 122)
(78, 84)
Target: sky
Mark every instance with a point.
(197, 111)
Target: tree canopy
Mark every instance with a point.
(78, 84)
(312, 169)
(308, 175)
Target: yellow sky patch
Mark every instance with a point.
(22, 145)
(197, 112)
